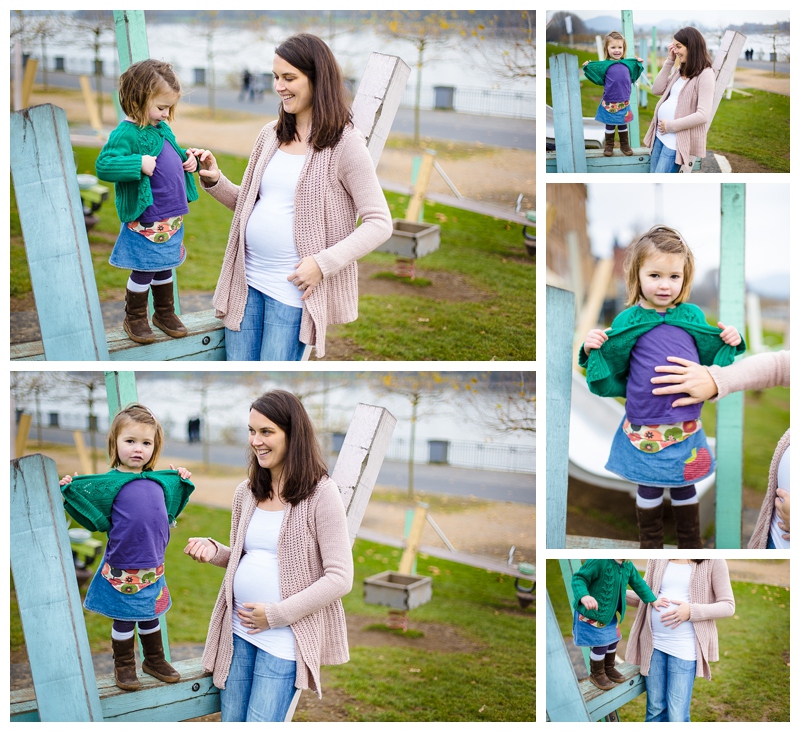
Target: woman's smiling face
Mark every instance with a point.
(268, 442)
(680, 51)
(293, 87)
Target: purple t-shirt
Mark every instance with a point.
(651, 350)
(617, 87)
(139, 531)
(168, 186)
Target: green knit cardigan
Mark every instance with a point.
(88, 498)
(120, 162)
(607, 366)
(606, 581)
(595, 71)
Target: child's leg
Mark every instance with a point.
(136, 324)
(609, 664)
(686, 510)
(624, 143)
(608, 149)
(597, 662)
(155, 662)
(123, 647)
(650, 516)
(164, 305)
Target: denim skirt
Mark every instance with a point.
(616, 118)
(147, 604)
(585, 634)
(135, 251)
(681, 464)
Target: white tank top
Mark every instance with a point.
(674, 641)
(270, 254)
(783, 482)
(257, 579)
(666, 112)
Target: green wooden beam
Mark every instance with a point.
(630, 44)
(120, 390)
(131, 37)
(730, 410)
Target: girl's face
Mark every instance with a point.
(268, 442)
(660, 280)
(294, 88)
(135, 445)
(160, 105)
(680, 51)
(616, 49)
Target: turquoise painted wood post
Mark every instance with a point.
(630, 41)
(131, 37)
(559, 333)
(565, 702)
(52, 617)
(568, 568)
(51, 214)
(567, 114)
(654, 55)
(730, 411)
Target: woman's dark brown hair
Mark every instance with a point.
(697, 58)
(303, 466)
(330, 102)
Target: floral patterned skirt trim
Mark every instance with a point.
(131, 581)
(684, 463)
(146, 604)
(654, 437)
(158, 232)
(133, 250)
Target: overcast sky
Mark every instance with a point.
(724, 17)
(627, 208)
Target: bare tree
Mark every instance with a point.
(96, 28)
(27, 386)
(503, 406)
(506, 43)
(85, 387)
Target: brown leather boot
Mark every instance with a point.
(624, 143)
(611, 669)
(154, 662)
(164, 316)
(598, 676)
(651, 527)
(136, 324)
(687, 526)
(608, 149)
(125, 664)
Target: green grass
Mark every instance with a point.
(756, 128)
(483, 255)
(495, 682)
(750, 682)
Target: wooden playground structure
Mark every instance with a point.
(570, 155)
(64, 685)
(56, 243)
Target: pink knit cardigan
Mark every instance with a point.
(710, 597)
(336, 186)
(762, 371)
(692, 115)
(315, 564)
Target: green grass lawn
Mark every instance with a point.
(750, 682)
(494, 682)
(478, 254)
(757, 127)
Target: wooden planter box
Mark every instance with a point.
(398, 591)
(411, 239)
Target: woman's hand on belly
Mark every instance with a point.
(681, 614)
(253, 615)
(306, 276)
(782, 509)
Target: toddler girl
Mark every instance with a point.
(616, 75)
(657, 445)
(153, 185)
(599, 588)
(136, 507)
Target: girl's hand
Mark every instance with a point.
(594, 339)
(585, 63)
(662, 602)
(729, 335)
(255, 617)
(148, 164)
(209, 170)
(689, 377)
(183, 472)
(640, 60)
(201, 550)
(68, 479)
(307, 275)
(589, 602)
(782, 509)
(190, 164)
(673, 618)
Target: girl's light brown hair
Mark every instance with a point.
(663, 240)
(140, 83)
(142, 415)
(615, 36)
(330, 101)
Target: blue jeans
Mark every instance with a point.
(270, 331)
(662, 159)
(259, 687)
(669, 688)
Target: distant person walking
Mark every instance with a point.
(247, 79)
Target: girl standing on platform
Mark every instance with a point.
(657, 445)
(153, 183)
